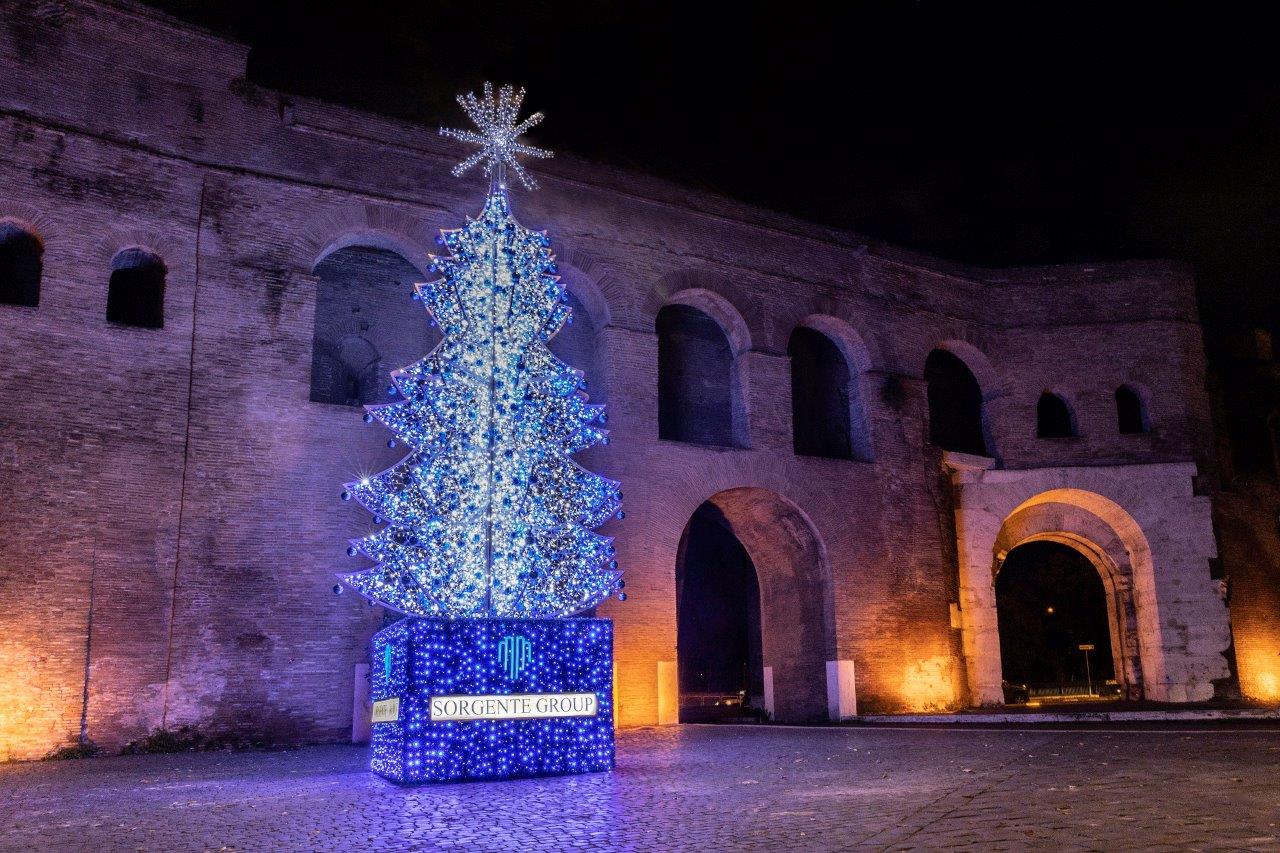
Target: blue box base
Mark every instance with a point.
(416, 660)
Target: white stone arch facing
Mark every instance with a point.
(1149, 535)
(1123, 562)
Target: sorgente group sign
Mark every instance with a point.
(516, 706)
(491, 698)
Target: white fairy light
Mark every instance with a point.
(495, 118)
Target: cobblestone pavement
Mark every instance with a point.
(687, 788)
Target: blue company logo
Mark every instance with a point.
(514, 654)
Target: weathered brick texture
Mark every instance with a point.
(171, 527)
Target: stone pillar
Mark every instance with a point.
(632, 381)
(842, 695)
(361, 710)
(768, 402)
(1191, 619)
(975, 531)
(769, 705)
(668, 693)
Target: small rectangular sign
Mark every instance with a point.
(1086, 647)
(386, 710)
(514, 706)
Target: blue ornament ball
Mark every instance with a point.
(346, 496)
(337, 589)
(391, 442)
(368, 418)
(352, 551)
(622, 596)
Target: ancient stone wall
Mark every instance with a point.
(171, 516)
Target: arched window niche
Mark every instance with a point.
(366, 324)
(1054, 418)
(21, 264)
(349, 373)
(829, 418)
(698, 395)
(1132, 414)
(135, 291)
(956, 416)
(577, 344)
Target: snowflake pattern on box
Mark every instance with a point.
(488, 515)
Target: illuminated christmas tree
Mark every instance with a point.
(489, 540)
(488, 515)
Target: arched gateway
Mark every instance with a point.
(1108, 537)
(999, 513)
(753, 607)
(1057, 624)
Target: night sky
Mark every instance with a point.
(990, 133)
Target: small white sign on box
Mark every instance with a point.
(386, 710)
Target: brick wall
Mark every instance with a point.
(172, 526)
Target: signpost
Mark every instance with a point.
(1088, 677)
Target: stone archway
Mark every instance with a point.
(794, 623)
(1106, 535)
(1052, 602)
(1112, 541)
(1085, 533)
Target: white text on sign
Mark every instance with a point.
(516, 706)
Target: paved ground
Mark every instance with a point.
(687, 788)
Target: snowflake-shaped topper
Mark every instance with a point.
(495, 118)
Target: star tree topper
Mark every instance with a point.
(495, 118)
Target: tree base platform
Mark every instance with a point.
(486, 699)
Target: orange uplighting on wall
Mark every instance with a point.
(928, 685)
(25, 718)
(1264, 684)
(1260, 673)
